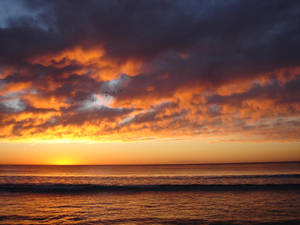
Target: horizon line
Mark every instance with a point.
(152, 164)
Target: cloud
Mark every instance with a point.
(133, 69)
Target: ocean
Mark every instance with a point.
(216, 194)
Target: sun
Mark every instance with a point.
(63, 161)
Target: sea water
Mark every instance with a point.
(254, 193)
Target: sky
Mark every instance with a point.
(121, 82)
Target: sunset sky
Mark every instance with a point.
(121, 82)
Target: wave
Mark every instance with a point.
(145, 220)
(160, 177)
(152, 220)
(73, 188)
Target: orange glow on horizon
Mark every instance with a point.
(63, 161)
(169, 151)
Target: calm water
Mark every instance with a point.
(161, 194)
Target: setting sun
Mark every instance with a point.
(62, 162)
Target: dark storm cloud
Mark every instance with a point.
(148, 28)
(223, 40)
(195, 46)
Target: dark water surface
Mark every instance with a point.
(267, 193)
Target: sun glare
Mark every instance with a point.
(62, 162)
